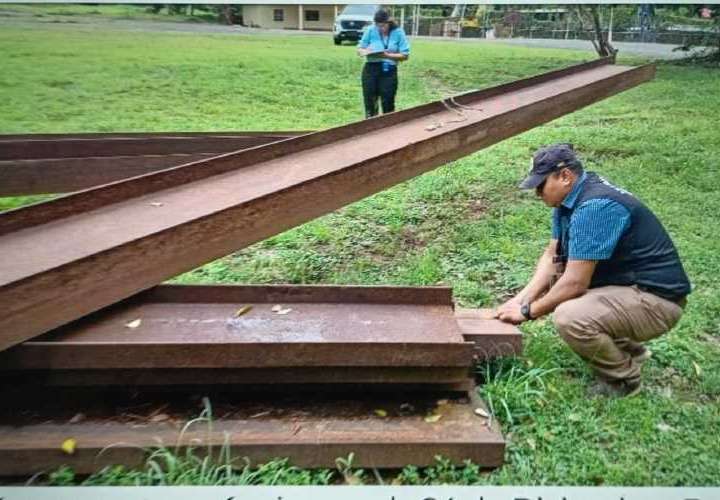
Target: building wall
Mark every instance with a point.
(262, 16)
(326, 19)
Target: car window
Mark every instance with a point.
(361, 10)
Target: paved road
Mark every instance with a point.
(649, 50)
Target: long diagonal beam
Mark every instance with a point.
(70, 256)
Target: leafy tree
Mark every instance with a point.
(711, 41)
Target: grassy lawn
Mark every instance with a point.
(64, 13)
(464, 224)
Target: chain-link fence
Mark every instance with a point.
(564, 26)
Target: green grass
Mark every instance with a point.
(64, 13)
(464, 224)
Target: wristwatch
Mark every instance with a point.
(525, 311)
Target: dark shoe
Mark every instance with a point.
(616, 389)
(641, 356)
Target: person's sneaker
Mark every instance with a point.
(618, 389)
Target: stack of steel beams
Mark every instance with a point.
(73, 270)
(258, 335)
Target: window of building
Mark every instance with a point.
(312, 15)
(278, 15)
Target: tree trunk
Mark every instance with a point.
(599, 41)
(227, 12)
(604, 49)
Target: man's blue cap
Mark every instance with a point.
(547, 160)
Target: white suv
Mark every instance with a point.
(351, 22)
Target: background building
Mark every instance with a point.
(291, 17)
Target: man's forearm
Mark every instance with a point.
(572, 284)
(558, 294)
(397, 56)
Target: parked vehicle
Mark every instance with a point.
(351, 22)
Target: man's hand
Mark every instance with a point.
(509, 312)
(508, 305)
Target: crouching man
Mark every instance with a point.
(610, 273)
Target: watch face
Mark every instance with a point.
(525, 310)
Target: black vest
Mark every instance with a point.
(644, 256)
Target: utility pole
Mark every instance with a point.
(416, 20)
(460, 21)
(567, 26)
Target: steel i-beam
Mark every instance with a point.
(62, 163)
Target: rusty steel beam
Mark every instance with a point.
(492, 338)
(70, 256)
(30, 147)
(64, 175)
(197, 327)
(137, 154)
(295, 380)
(314, 435)
(151, 135)
(188, 335)
(298, 294)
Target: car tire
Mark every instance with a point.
(337, 41)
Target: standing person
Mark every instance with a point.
(611, 274)
(384, 44)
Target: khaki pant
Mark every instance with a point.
(607, 324)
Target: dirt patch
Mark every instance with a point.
(478, 208)
(613, 152)
(411, 238)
